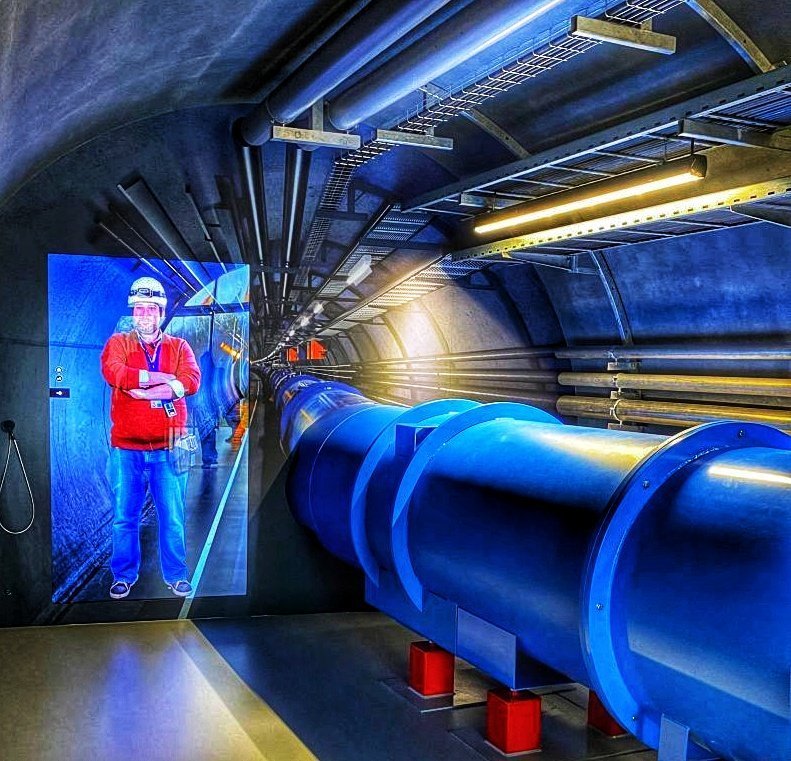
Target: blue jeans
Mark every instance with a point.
(208, 443)
(132, 471)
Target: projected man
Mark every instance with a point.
(150, 374)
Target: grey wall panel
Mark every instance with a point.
(386, 345)
(472, 320)
(728, 284)
(366, 348)
(528, 294)
(581, 305)
(349, 348)
(415, 330)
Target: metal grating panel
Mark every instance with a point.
(540, 55)
(365, 313)
(333, 288)
(354, 257)
(446, 270)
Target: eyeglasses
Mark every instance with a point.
(147, 292)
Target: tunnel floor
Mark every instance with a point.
(280, 688)
(337, 680)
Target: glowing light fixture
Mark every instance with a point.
(318, 307)
(228, 349)
(360, 271)
(632, 185)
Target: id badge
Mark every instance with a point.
(170, 409)
(156, 404)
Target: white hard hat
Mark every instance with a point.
(147, 289)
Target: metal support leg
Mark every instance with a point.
(676, 745)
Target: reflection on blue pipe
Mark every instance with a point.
(656, 571)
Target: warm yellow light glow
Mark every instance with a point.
(665, 211)
(682, 178)
(235, 353)
(591, 445)
(745, 474)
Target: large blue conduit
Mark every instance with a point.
(656, 571)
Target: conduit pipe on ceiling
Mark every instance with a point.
(686, 351)
(482, 355)
(537, 398)
(470, 31)
(666, 413)
(294, 192)
(258, 220)
(525, 376)
(369, 33)
(691, 383)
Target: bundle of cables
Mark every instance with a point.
(7, 426)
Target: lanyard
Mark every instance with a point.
(152, 360)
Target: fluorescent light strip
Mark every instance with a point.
(360, 271)
(672, 181)
(660, 212)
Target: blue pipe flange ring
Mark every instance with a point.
(383, 442)
(635, 495)
(317, 455)
(436, 439)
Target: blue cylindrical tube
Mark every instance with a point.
(515, 504)
(703, 628)
(654, 570)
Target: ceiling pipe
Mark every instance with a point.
(294, 192)
(678, 414)
(258, 220)
(470, 31)
(369, 33)
(698, 384)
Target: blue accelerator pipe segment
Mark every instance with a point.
(654, 570)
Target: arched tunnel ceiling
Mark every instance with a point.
(101, 95)
(73, 70)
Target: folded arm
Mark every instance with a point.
(115, 369)
(163, 392)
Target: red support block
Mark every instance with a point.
(599, 718)
(431, 669)
(513, 720)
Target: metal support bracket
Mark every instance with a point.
(414, 139)
(734, 135)
(736, 37)
(566, 262)
(777, 215)
(315, 138)
(403, 245)
(491, 203)
(676, 745)
(641, 37)
(317, 116)
(338, 214)
(630, 366)
(480, 119)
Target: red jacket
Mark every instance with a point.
(136, 424)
